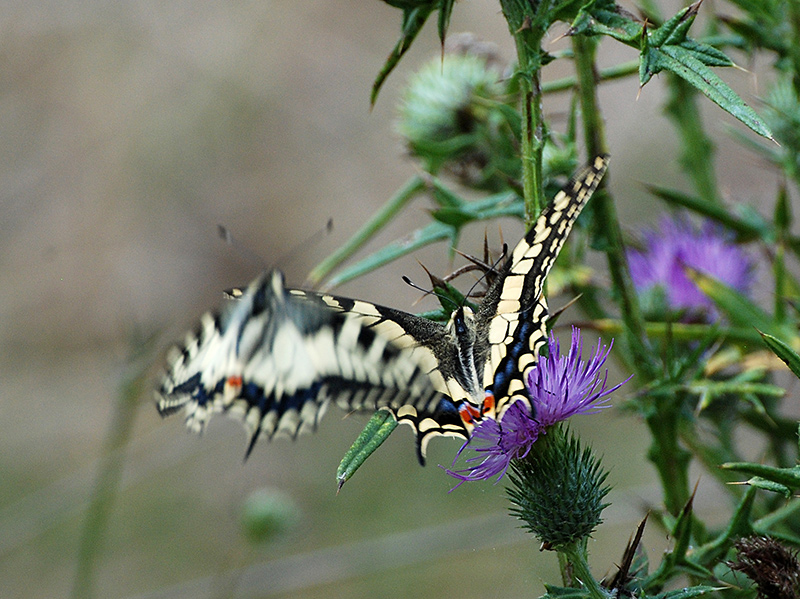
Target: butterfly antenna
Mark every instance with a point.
(440, 296)
(225, 235)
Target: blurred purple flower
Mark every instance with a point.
(677, 243)
(559, 387)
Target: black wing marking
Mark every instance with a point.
(278, 357)
(514, 313)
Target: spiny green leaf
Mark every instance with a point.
(684, 63)
(789, 477)
(675, 29)
(707, 54)
(594, 21)
(783, 351)
(374, 434)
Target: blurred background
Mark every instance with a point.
(130, 130)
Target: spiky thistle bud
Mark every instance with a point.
(558, 490)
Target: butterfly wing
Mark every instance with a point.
(514, 313)
(278, 357)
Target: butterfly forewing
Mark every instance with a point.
(514, 312)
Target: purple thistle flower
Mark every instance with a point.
(677, 244)
(559, 387)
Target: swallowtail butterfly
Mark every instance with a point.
(278, 357)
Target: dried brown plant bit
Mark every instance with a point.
(772, 566)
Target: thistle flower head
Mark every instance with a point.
(559, 387)
(658, 269)
(454, 117)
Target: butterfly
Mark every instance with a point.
(277, 357)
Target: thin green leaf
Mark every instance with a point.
(374, 434)
(387, 212)
(454, 217)
(738, 526)
(767, 485)
(746, 230)
(413, 21)
(783, 351)
(554, 592)
(431, 233)
(739, 310)
(445, 10)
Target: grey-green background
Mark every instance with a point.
(128, 131)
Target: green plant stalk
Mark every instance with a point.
(678, 331)
(794, 47)
(618, 71)
(576, 569)
(781, 284)
(669, 458)
(605, 209)
(389, 210)
(528, 22)
(532, 132)
(697, 150)
(108, 478)
(711, 458)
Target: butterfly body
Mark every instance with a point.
(278, 357)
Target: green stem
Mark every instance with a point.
(532, 132)
(414, 186)
(110, 473)
(678, 331)
(794, 47)
(606, 212)
(697, 149)
(609, 74)
(578, 568)
(671, 460)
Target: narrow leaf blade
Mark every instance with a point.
(377, 430)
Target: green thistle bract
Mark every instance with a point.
(558, 490)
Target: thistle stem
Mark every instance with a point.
(574, 562)
(532, 132)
